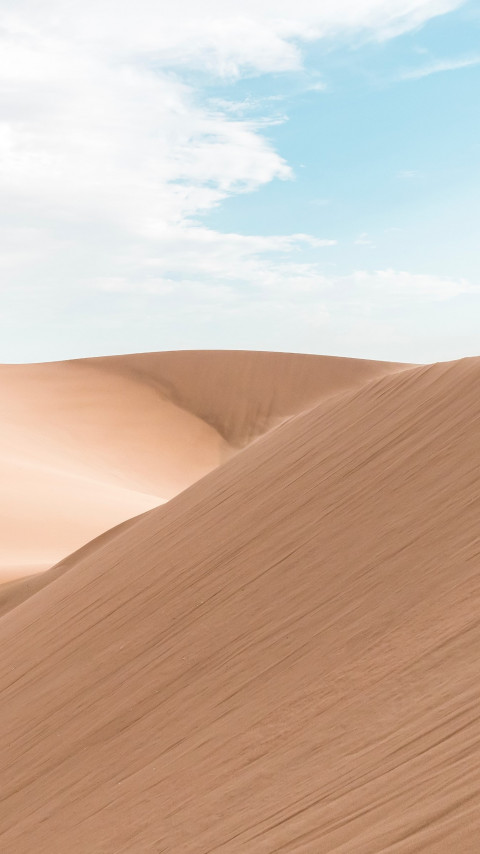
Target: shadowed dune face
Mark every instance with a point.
(243, 394)
(282, 658)
(87, 444)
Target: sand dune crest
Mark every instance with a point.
(86, 444)
(282, 658)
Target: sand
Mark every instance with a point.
(283, 657)
(86, 444)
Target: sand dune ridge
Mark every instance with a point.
(283, 657)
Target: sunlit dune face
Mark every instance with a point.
(87, 444)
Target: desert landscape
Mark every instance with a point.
(239, 605)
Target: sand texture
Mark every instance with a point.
(282, 658)
(86, 444)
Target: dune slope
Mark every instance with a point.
(86, 444)
(242, 393)
(283, 658)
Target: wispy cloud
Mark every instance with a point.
(406, 285)
(438, 66)
(317, 86)
(112, 151)
(106, 134)
(363, 240)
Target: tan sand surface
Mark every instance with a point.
(283, 658)
(87, 444)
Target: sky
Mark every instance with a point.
(270, 175)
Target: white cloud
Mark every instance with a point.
(317, 86)
(251, 262)
(364, 240)
(406, 285)
(241, 268)
(439, 66)
(110, 153)
(92, 115)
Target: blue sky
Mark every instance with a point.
(301, 177)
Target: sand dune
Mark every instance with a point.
(87, 444)
(282, 658)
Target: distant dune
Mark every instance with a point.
(86, 444)
(283, 657)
